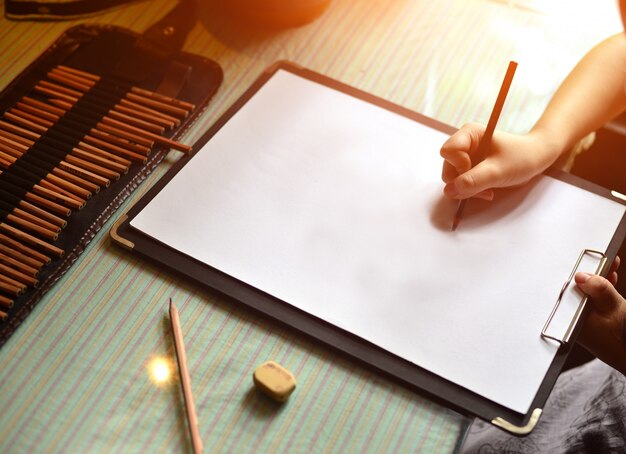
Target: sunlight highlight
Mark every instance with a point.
(160, 371)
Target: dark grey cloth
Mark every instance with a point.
(585, 413)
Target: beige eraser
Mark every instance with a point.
(274, 380)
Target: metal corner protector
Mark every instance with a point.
(519, 430)
(115, 236)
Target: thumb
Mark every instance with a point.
(605, 297)
(476, 180)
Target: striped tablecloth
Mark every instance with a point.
(78, 375)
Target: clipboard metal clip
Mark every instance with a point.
(566, 337)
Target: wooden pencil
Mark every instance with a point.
(91, 167)
(46, 107)
(485, 141)
(124, 134)
(18, 276)
(123, 106)
(138, 134)
(36, 219)
(166, 123)
(34, 110)
(11, 244)
(122, 161)
(6, 302)
(39, 129)
(143, 134)
(166, 99)
(157, 105)
(11, 286)
(42, 214)
(111, 141)
(19, 265)
(89, 80)
(22, 253)
(63, 164)
(153, 106)
(9, 156)
(47, 184)
(146, 125)
(58, 147)
(76, 179)
(36, 192)
(102, 110)
(133, 105)
(34, 198)
(37, 215)
(179, 345)
(30, 226)
(78, 72)
(112, 144)
(31, 117)
(43, 189)
(98, 157)
(31, 240)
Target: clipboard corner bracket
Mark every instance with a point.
(117, 238)
(519, 430)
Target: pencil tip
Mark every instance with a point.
(455, 224)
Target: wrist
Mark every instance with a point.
(549, 146)
(544, 147)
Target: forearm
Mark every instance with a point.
(591, 95)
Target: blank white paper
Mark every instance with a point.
(334, 205)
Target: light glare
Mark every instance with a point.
(160, 371)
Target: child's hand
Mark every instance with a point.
(603, 333)
(511, 160)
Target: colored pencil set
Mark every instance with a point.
(74, 135)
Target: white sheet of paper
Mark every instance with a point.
(334, 206)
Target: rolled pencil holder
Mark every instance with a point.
(77, 136)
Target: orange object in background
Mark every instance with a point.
(277, 13)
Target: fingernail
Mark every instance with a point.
(581, 277)
(450, 190)
(485, 195)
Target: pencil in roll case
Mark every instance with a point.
(121, 75)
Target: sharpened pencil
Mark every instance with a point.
(184, 379)
(485, 142)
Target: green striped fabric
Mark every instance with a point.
(76, 376)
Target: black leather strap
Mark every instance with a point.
(25, 10)
(158, 43)
(154, 47)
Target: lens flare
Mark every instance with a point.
(160, 371)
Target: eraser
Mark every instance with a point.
(274, 380)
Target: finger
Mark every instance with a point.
(603, 294)
(456, 159)
(612, 275)
(459, 141)
(476, 180)
(457, 149)
(485, 195)
(448, 172)
(616, 263)
(450, 191)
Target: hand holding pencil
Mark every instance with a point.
(478, 159)
(511, 160)
(484, 143)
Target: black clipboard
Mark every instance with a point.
(408, 374)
